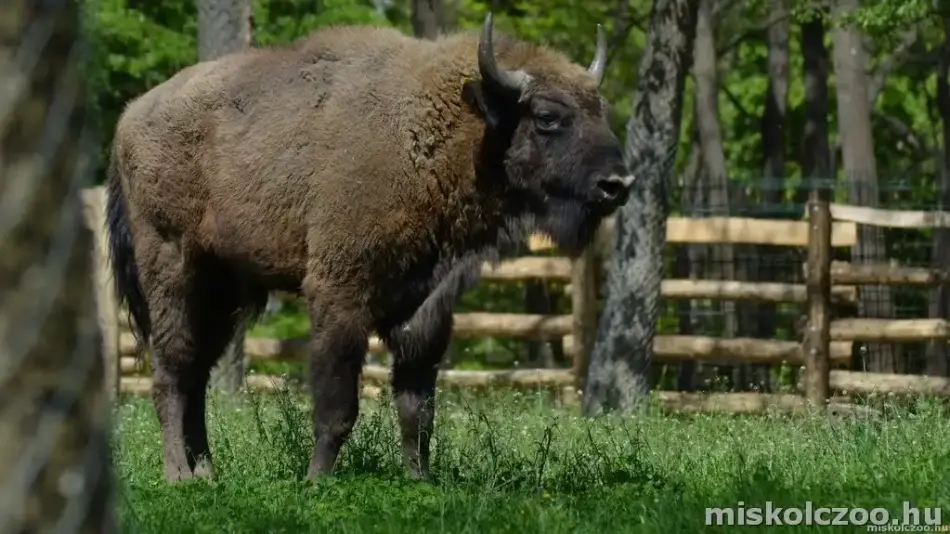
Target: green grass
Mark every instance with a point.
(510, 462)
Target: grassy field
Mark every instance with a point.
(510, 462)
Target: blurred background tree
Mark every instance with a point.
(55, 419)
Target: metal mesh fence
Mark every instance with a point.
(55, 469)
(785, 199)
(760, 198)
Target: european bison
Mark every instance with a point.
(370, 172)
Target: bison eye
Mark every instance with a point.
(547, 122)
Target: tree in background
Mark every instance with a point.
(815, 149)
(858, 160)
(224, 27)
(937, 360)
(427, 18)
(55, 460)
(913, 34)
(759, 320)
(618, 374)
(712, 173)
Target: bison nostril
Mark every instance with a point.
(610, 188)
(613, 186)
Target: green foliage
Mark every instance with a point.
(511, 462)
(885, 16)
(139, 44)
(280, 21)
(136, 45)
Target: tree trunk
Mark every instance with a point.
(620, 363)
(857, 154)
(427, 18)
(450, 15)
(761, 322)
(714, 174)
(707, 109)
(816, 151)
(937, 364)
(224, 27)
(776, 100)
(55, 460)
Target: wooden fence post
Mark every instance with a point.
(584, 310)
(107, 310)
(817, 339)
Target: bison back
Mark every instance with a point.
(244, 154)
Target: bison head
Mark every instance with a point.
(560, 158)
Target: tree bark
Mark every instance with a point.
(707, 106)
(224, 27)
(937, 364)
(427, 18)
(620, 364)
(857, 154)
(55, 459)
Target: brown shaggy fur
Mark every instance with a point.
(367, 170)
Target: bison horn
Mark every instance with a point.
(596, 68)
(507, 80)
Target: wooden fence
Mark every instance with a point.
(827, 343)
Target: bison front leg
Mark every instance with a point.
(417, 351)
(339, 344)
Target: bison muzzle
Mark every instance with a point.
(368, 171)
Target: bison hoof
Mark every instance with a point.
(315, 472)
(178, 474)
(417, 473)
(204, 469)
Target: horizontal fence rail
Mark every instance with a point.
(827, 283)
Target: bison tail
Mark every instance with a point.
(125, 271)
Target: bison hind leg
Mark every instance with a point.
(339, 328)
(418, 348)
(220, 299)
(194, 307)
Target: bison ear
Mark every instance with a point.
(482, 102)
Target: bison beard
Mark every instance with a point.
(370, 172)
